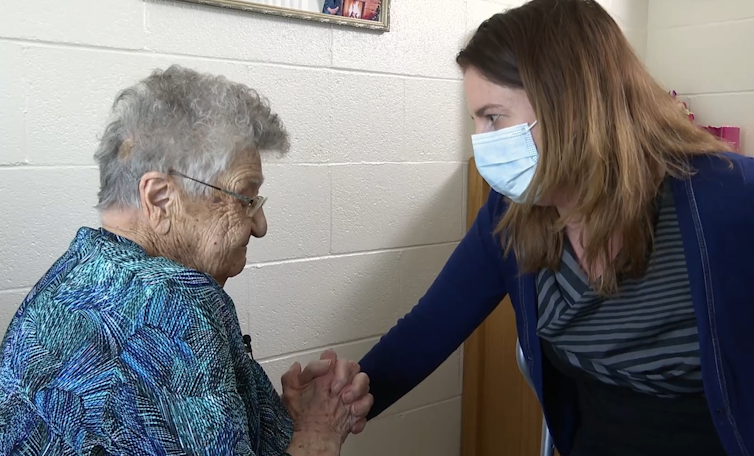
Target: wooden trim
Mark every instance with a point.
(474, 347)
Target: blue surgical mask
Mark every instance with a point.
(507, 159)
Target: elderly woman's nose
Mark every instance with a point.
(259, 224)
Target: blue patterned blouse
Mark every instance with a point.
(116, 352)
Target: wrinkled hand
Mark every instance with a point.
(311, 404)
(346, 382)
(352, 386)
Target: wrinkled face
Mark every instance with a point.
(212, 233)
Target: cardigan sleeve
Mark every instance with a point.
(467, 290)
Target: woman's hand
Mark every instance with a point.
(353, 387)
(311, 403)
(327, 400)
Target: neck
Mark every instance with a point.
(564, 208)
(127, 223)
(579, 237)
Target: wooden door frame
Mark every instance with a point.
(474, 348)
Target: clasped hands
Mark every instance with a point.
(327, 400)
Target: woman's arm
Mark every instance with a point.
(467, 290)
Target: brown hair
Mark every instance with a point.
(610, 133)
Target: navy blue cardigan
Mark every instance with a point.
(716, 216)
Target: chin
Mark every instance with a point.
(238, 267)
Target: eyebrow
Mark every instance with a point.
(480, 112)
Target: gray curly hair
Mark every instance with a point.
(183, 120)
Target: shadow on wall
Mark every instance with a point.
(309, 304)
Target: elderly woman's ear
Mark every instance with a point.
(158, 196)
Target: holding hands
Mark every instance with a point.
(327, 400)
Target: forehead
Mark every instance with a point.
(245, 168)
(481, 92)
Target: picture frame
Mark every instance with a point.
(363, 14)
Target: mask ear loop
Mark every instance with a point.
(532, 126)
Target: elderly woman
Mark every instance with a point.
(129, 345)
(621, 233)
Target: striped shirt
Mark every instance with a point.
(645, 337)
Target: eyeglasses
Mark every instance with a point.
(252, 205)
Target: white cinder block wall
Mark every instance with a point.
(704, 50)
(363, 212)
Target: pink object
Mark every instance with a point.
(726, 133)
(682, 105)
(731, 135)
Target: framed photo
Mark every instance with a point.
(366, 14)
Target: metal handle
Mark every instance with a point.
(547, 445)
